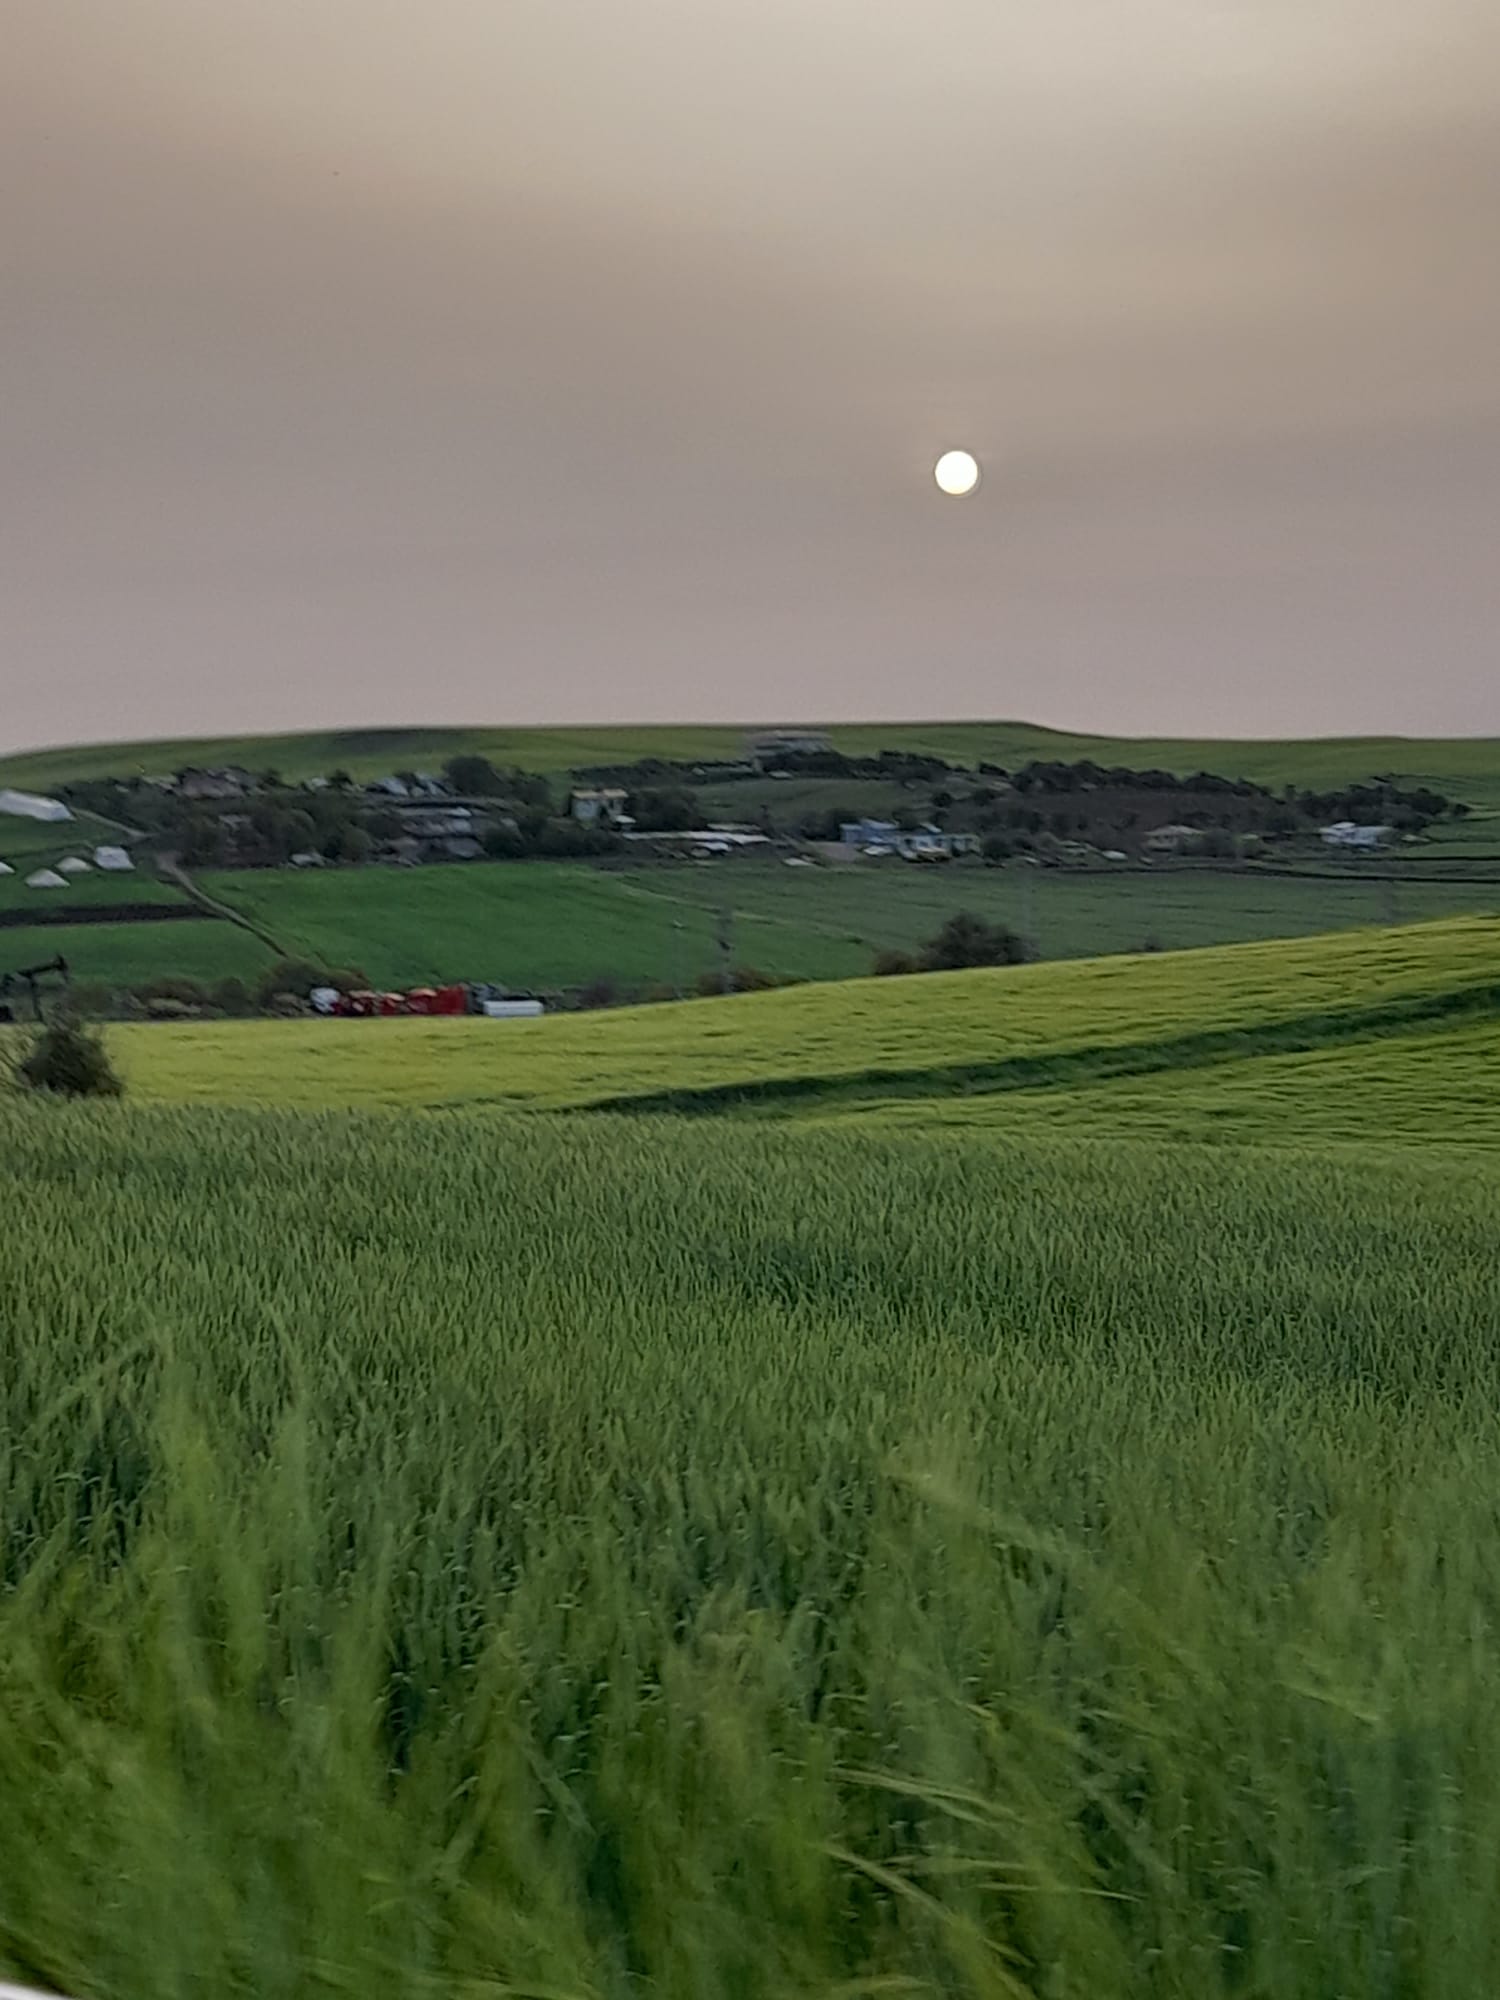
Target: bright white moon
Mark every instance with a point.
(957, 472)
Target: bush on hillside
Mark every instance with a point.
(230, 996)
(602, 992)
(92, 999)
(965, 941)
(894, 964)
(67, 1058)
(751, 979)
(172, 986)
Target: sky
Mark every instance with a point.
(498, 361)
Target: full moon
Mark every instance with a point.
(957, 472)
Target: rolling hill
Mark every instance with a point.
(945, 1041)
(1469, 766)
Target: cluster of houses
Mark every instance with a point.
(110, 860)
(879, 837)
(1344, 833)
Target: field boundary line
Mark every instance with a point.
(1088, 1063)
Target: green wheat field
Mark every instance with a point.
(973, 1486)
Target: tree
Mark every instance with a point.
(203, 844)
(68, 1058)
(671, 811)
(504, 842)
(966, 940)
(347, 843)
(473, 776)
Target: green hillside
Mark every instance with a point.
(929, 1036)
(1469, 766)
(592, 1557)
(130, 954)
(548, 924)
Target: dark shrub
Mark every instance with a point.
(892, 964)
(161, 1007)
(230, 996)
(173, 986)
(91, 999)
(599, 993)
(69, 1059)
(966, 940)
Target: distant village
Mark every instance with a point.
(1077, 814)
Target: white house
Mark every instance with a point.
(868, 833)
(113, 860)
(30, 805)
(602, 802)
(74, 865)
(1174, 839)
(1345, 833)
(925, 843)
(46, 878)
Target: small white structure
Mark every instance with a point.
(6, 869)
(1173, 839)
(324, 999)
(600, 803)
(46, 878)
(73, 865)
(113, 860)
(512, 1010)
(1345, 833)
(30, 805)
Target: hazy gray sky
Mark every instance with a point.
(519, 360)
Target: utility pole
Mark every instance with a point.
(677, 956)
(726, 947)
(1389, 902)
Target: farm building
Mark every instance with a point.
(30, 805)
(46, 878)
(73, 865)
(6, 869)
(869, 833)
(771, 745)
(228, 782)
(923, 843)
(113, 860)
(1171, 839)
(603, 804)
(1345, 833)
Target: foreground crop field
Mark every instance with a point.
(926, 1525)
(447, 1556)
